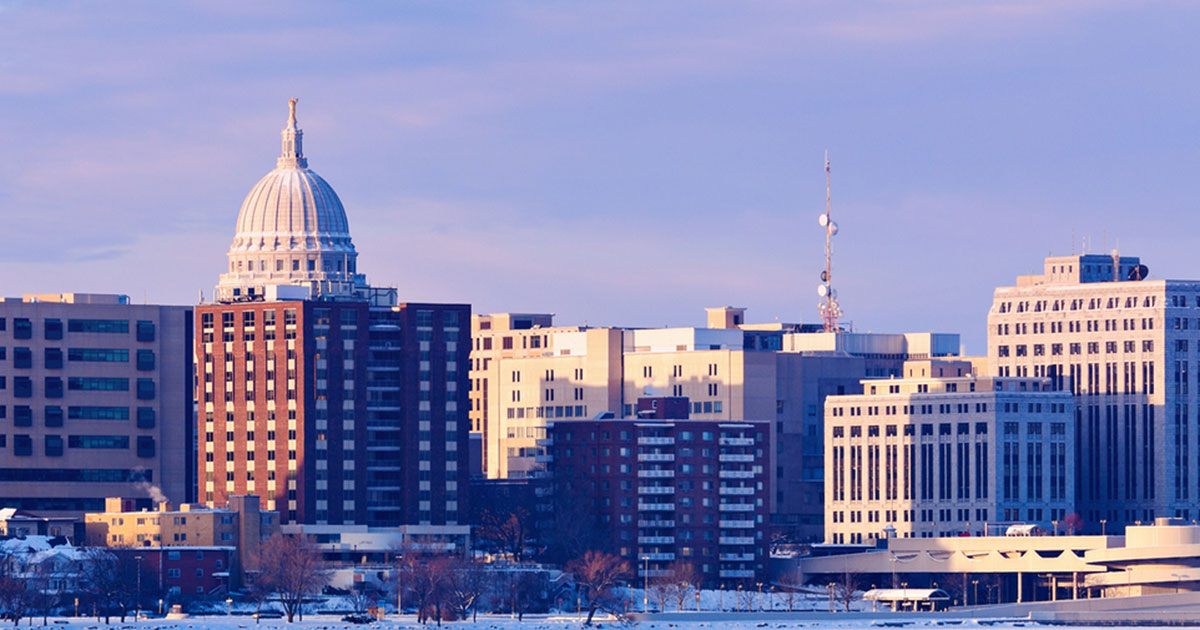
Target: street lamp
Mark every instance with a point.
(1178, 581)
(1103, 530)
(760, 601)
(160, 606)
(738, 601)
(646, 583)
(1055, 524)
(975, 596)
(721, 598)
(228, 606)
(138, 611)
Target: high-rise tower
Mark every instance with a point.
(317, 391)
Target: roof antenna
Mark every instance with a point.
(828, 305)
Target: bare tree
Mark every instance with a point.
(508, 531)
(426, 578)
(597, 575)
(101, 573)
(467, 583)
(844, 589)
(291, 567)
(790, 582)
(659, 590)
(362, 596)
(685, 580)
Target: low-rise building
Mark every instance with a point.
(670, 490)
(240, 526)
(943, 452)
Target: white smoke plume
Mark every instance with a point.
(156, 493)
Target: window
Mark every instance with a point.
(54, 416)
(145, 417)
(103, 355)
(22, 329)
(52, 358)
(54, 446)
(54, 329)
(116, 326)
(97, 384)
(98, 413)
(145, 446)
(54, 387)
(98, 441)
(145, 360)
(23, 447)
(22, 358)
(22, 416)
(145, 389)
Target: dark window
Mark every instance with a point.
(54, 446)
(118, 326)
(53, 358)
(145, 360)
(54, 416)
(145, 446)
(145, 330)
(101, 355)
(22, 329)
(23, 447)
(22, 387)
(70, 475)
(98, 413)
(99, 441)
(22, 358)
(97, 384)
(22, 416)
(145, 417)
(54, 387)
(145, 389)
(54, 329)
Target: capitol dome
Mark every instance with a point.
(291, 231)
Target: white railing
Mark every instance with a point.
(656, 441)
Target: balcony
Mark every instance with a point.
(656, 557)
(656, 540)
(656, 457)
(656, 489)
(656, 441)
(544, 442)
(737, 557)
(736, 441)
(735, 540)
(543, 459)
(653, 572)
(746, 458)
(656, 474)
(737, 524)
(656, 507)
(647, 524)
(737, 573)
(736, 507)
(736, 474)
(734, 490)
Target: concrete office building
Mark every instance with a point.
(943, 452)
(1127, 349)
(526, 372)
(318, 391)
(666, 490)
(95, 401)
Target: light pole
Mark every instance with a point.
(738, 601)
(160, 602)
(1055, 524)
(1178, 581)
(1103, 528)
(228, 606)
(646, 583)
(138, 610)
(975, 596)
(760, 601)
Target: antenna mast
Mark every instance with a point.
(828, 305)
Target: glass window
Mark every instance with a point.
(54, 329)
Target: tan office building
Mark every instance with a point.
(1129, 350)
(527, 372)
(95, 401)
(943, 452)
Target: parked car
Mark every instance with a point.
(358, 618)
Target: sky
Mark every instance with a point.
(614, 163)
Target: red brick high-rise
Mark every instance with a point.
(316, 391)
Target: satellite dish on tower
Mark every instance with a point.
(822, 290)
(823, 220)
(1139, 272)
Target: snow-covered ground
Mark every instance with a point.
(495, 622)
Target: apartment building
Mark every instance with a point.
(1126, 348)
(95, 401)
(664, 491)
(944, 452)
(527, 372)
(325, 395)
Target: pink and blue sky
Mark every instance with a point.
(623, 163)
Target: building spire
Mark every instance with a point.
(293, 141)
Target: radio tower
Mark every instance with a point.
(828, 305)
